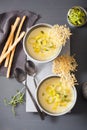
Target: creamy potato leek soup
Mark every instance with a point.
(39, 45)
(53, 96)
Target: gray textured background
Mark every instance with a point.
(52, 11)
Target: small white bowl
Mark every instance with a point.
(56, 114)
(81, 8)
(24, 42)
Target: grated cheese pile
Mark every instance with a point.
(64, 66)
(59, 34)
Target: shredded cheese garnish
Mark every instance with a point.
(60, 34)
(64, 66)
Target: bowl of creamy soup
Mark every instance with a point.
(55, 98)
(38, 45)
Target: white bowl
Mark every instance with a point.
(24, 42)
(85, 12)
(56, 114)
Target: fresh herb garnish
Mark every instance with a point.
(42, 32)
(43, 94)
(15, 101)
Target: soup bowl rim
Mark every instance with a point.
(24, 44)
(55, 114)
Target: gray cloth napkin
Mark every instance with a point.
(6, 20)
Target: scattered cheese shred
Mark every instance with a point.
(60, 34)
(64, 66)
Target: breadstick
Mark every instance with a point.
(10, 35)
(8, 57)
(12, 47)
(13, 51)
(20, 26)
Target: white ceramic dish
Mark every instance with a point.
(24, 42)
(56, 114)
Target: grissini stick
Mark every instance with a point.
(12, 47)
(8, 57)
(20, 27)
(13, 51)
(10, 35)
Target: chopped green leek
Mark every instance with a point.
(77, 16)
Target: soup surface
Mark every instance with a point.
(40, 46)
(54, 97)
